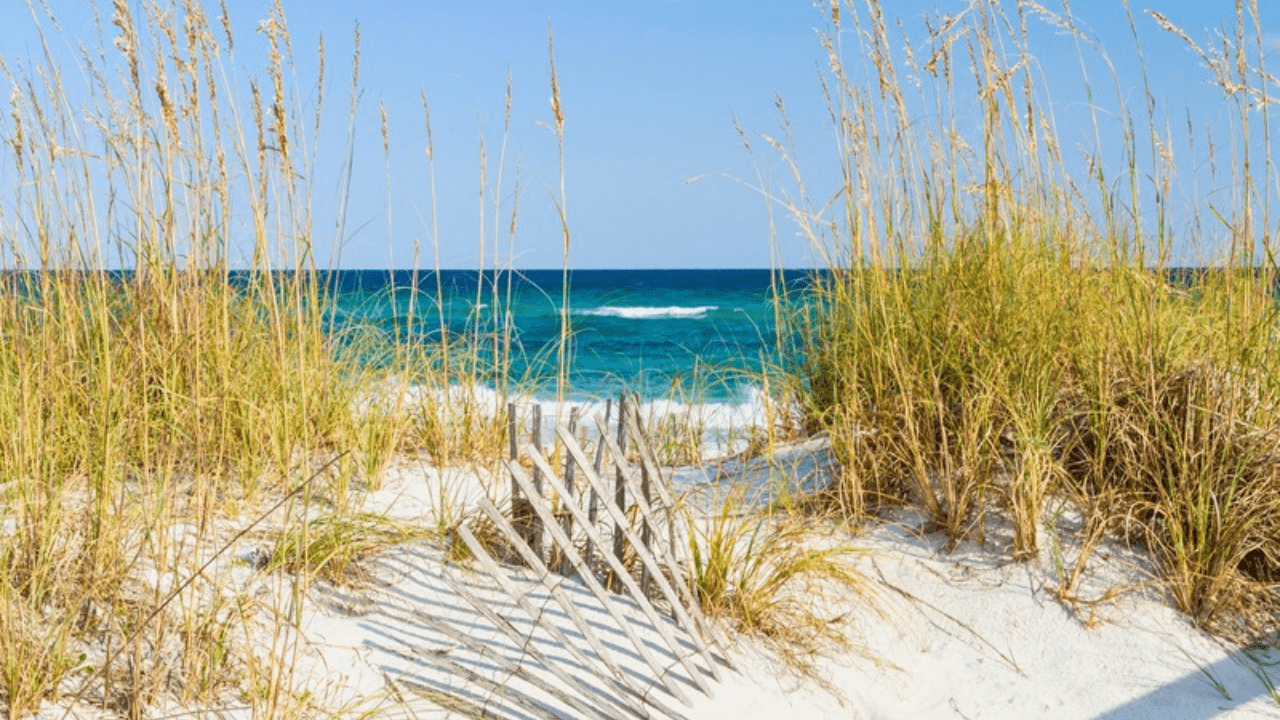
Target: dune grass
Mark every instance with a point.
(991, 332)
(146, 411)
(172, 362)
(763, 572)
(992, 329)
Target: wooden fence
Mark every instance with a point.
(600, 512)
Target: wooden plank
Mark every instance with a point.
(647, 456)
(702, 627)
(544, 576)
(521, 600)
(513, 445)
(681, 560)
(649, 518)
(650, 464)
(640, 441)
(683, 604)
(520, 512)
(620, 572)
(609, 602)
(535, 522)
(650, 461)
(593, 506)
(646, 526)
(620, 488)
(566, 520)
(535, 435)
(647, 511)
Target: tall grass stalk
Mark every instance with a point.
(562, 213)
(173, 393)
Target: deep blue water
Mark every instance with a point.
(694, 332)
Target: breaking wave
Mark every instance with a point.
(650, 313)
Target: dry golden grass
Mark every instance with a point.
(767, 574)
(986, 337)
(992, 330)
(174, 398)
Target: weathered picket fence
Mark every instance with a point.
(598, 511)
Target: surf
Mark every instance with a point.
(650, 313)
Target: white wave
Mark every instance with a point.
(723, 428)
(650, 313)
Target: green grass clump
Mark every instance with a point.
(991, 330)
(330, 546)
(763, 572)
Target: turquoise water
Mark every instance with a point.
(699, 335)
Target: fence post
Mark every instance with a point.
(646, 533)
(620, 484)
(523, 519)
(512, 446)
(566, 519)
(535, 523)
(593, 504)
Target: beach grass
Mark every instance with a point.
(990, 332)
(995, 327)
(763, 572)
(151, 397)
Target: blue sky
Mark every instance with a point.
(649, 91)
(656, 175)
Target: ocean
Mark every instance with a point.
(695, 336)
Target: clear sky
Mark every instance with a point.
(656, 175)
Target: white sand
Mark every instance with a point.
(966, 634)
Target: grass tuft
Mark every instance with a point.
(993, 329)
(765, 573)
(331, 546)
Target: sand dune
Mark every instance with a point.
(961, 634)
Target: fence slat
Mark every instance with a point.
(677, 601)
(681, 561)
(523, 519)
(620, 487)
(620, 572)
(593, 505)
(545, 576)
(550, 507)
(704, 627)
(646, 454)
(566, 519)
(535, 519)
(605, 597)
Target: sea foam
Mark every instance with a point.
(650, 313)
(724, 427)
